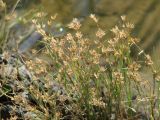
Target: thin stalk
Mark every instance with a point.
(14, 7)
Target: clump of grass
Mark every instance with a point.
(88, 78)
(100, 78)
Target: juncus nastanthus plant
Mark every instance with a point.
(98, 74)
